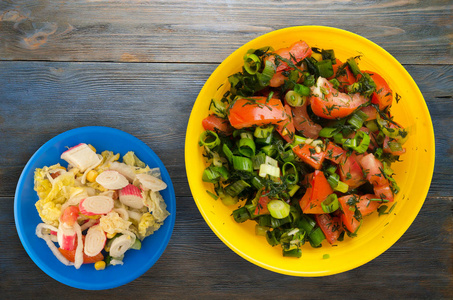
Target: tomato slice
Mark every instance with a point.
(308, 154)
(347, 217)
(294, 53)
(373, 169)
(350, 171)
(384, 191)
(261, 207)
(383, 95)
(366, 206)
(256, 111)
(345, 78)
(370, 111)
(286, 127)
(329, 103)
(316, 193)
(335, 153)
(217, 124)
(330, 226)
(303, 123)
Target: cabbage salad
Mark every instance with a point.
(98, 208)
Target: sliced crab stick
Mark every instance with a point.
(149, 182)
(96, 205)
(131, 196)
(94, 241)
(66, 237)
(112, 180)
(81, 157)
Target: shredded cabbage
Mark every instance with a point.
(112, 223)
(147, 225)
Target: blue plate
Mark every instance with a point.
(26, 216)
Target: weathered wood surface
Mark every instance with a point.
(137, 64)
(417, 32)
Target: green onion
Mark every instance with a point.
(252, 64)
(395, 146)
(326, 256)
(227, 153)
(218, 107)
(257, 182)
(353, 66)
(263, 131)
(258, 160)
(209, 139)
(324, 68)
(288, 156)
(298, 140)
(246, 147)
(328, 132)
(270, 170)
(265, 220)
(335, 82)
(271, 239)
(330, 204)
(295, 99)
(357, 119)
(290, 172)
(213, 174)
(336, 184)
(302, 90)
(372, 125)
(316, 237)
(292, 253)
(265, 77)
(269, 150)
(236, 187)
(338, 138)
(276, 223)
(241, 215)
(332, 169)
(228, 200)
(328, 54)
(261, 230)
(306, 223)
(293, 190)
(309, 81)
(364, 142)
(241, 163)
(278, 209)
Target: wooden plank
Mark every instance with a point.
(196, 261)
(39, 100)
(208, 31)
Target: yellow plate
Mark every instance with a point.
(413, 174)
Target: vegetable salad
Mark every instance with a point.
(97, 208)
(303, 143)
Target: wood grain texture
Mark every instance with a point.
(415, 32)
(39, 100)
(197, 265)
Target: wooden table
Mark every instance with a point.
(138, 66)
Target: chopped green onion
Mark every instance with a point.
(209, 139)
(338, 138)
(276, 223)
(295, 99)
(353, 66)
(306, 223)
(257, 182)
(258, 160)
(309, 81)
(292, 253)
(228, 153)
(328, 54)
(265, 77)
(316, 237)
(395, 146)
(241, 163)
(324, 68)
(228, 200)
(293, 190)
(218, 107)
(213, 174)
(263, 131)
(290, 172)
(330, 204)
(298, 140)
(331, 169)
(278, 209)
(271, 239)
(270, 170)
(357, 119)
(261, 230)
(269, 150)
(326, 256)
(236, 187)
(241, 215)
(246, 147)
(252, 64)
(372, 125)
(265, 220)
(302, 90)
(336, 184)
(264, 141)
(328, 132)
(335, 82)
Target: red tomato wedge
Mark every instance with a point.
(217, 124)
(303, 123)
(374, 170)
(316, 193)
(347, 217)
(330, 226)
(383, 95)
(370, 111)
(261, 207)
(308, 154)
(366, 206)
(350, 171)
(256, 111)
(345, 77)
(329, 103)
(70, 255)
(335, 153)
(286, 127)
(294, 53)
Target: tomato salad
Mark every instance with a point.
(304, 143)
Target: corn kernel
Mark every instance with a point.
(111, 235)
(99, 265)
(91, 175)
(91, 147)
